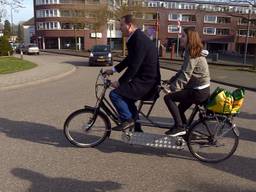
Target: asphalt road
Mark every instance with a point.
(36, 157)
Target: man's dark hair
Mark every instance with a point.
(189, 29)
(129, 19)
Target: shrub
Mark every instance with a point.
(5, 46)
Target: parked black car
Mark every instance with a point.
(100, 55)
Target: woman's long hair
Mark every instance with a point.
(194, 43)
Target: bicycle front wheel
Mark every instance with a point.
(83, 129)
(212, 140)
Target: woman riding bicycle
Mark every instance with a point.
(191, 84)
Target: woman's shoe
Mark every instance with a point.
(176, 131)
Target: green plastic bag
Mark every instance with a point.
(238, 96)
(224, 102)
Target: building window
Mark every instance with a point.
(222, 32)
(174, 5)
(40, 26)
(210, 19)
(152, 4)
(47, 13)
(174, 17)
(48, 25)
(188, 18)
(51, 13)
(185, 6)
(223, 20)
(243, 33)
(163, 4)
(209, 31)
(43, 2)
(174, 29)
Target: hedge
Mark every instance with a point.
(5, 47)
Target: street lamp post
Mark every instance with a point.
(157, 28)
(178, 39)
(11, 20)
(248, 33)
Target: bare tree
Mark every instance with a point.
(13, 5)
(101, 18)
(77, 21)
(2, 8)
(132, 7)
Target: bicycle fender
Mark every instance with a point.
(236, 130)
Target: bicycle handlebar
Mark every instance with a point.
(107, 82)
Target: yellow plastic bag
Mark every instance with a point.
(224, 102)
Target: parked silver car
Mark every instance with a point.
(28, 49)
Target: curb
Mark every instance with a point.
(220, 82)
(216, 81)
(211, 63)
(36, 82)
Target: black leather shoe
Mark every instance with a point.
(137, 128)
(124, 125)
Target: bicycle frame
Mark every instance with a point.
(107, 107)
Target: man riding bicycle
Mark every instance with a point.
(141, 77)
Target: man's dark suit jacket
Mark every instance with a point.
(142, 75)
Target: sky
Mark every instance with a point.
(23, 14)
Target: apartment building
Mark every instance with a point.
(223, 27)
(69, 24)
(62, 24)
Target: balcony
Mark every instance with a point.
(222, 32)
(188, 18)
(223, 20)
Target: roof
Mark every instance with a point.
(29, 22)
(216, 2)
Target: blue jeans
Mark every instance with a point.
(125, 107)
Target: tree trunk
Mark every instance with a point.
(75, 39)
(95, 37)
(254, 63)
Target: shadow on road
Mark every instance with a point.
(78, 63)
(246, 115)
(116, 146)
(34, 132)
(49, 135)
(42, 183)
(193, 185)
(247, 134)
(83, 64)
(243, 167)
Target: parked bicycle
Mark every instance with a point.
(210, 138)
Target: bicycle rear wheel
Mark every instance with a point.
(83, 130)
(212, 140)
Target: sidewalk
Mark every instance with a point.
(232, 73)
(45, 71)
(228, 74)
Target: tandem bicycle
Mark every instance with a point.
(210, 137)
